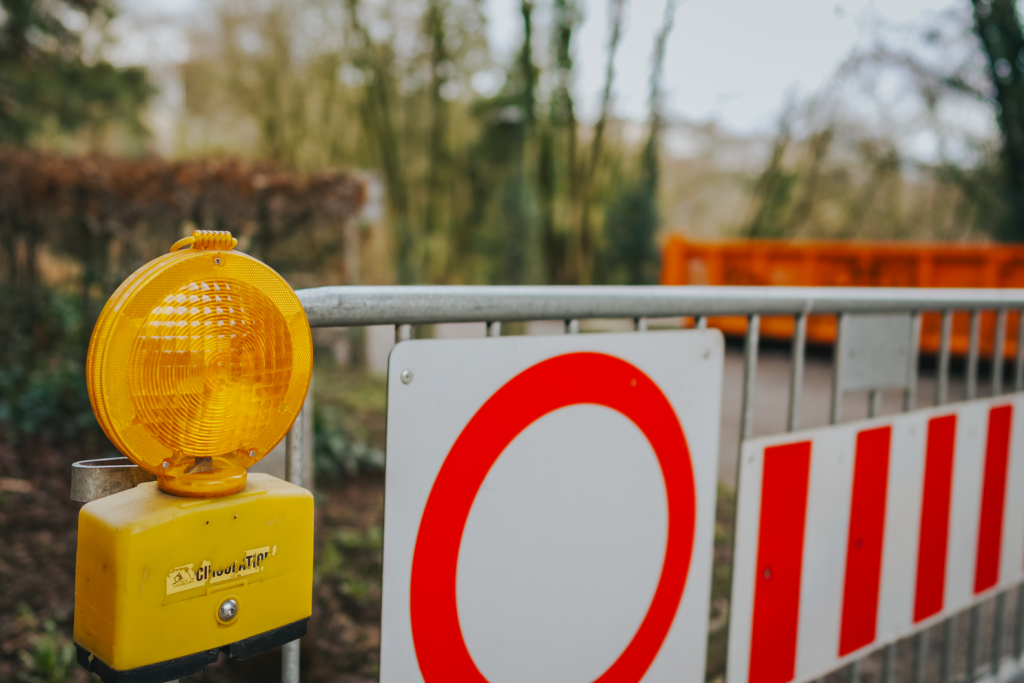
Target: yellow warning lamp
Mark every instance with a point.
(198, 366)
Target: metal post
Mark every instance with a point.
(889, 663)
(1018, 625)
(910, 393)
(640, 324)
(290, 662)
(920, 656)
(293, 451)
(874, 403)
(293, 473)
(946, 663)
(796, 372)
(997, 631)
(746, 431)
(403, 333)
(1018, 383)
(998, 350)
(972, 644)
(855, 671)
(942, 397)
(749, 378)
(494, 329)
(572, 326)
(972, 355)
(837, 389)
(942, 382)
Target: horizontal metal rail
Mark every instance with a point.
(352, 306)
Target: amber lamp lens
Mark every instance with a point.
(198, 366)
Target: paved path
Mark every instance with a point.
(772, 404)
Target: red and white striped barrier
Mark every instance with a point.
(853, 536)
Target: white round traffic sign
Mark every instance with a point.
(452, 431)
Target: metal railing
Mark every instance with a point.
(405, 307)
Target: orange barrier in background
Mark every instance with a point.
(850, 264)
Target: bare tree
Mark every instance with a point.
(998, 27)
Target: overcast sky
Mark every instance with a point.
(732, 60)
(729, 60)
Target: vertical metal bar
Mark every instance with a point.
(293, 451)
(572, 326)
(749, 377)
(403, 333)
(972, 355)
(910, 393)
(945, 338)
(640, 324)
(997, 633)
(837, 389)
(998, 350)
(702, 322)
(494, 329)
(1018, 381)
(920, 656)
(290, 662)
(889, 663)
(1018, 625)
(874, 403)
(293, 474)
(972, 644)
(942, 397)
(855, 671)
(948, 637)
(746, 431)
(308, 441)
(796, 372)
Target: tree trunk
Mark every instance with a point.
(1000, 33)
(585, 252)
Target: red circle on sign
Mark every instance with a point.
(571, 379)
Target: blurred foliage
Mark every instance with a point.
(352, 559)
(338, 449)
(72, 229)
(999, 31)
(51, 656)
(483, 171)
(42, 381)
(488, 176)
(349, 420)
(633, 215)
(347, 573)
(834, 185)
(839, 171)
(50, 83)
(486, 172)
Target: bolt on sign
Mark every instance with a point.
(853, 536)
(549, 508)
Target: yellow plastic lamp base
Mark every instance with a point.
(210, 484)
(153, 570)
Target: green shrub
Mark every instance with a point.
(42, 367)
(337, 451)
(51, 659)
